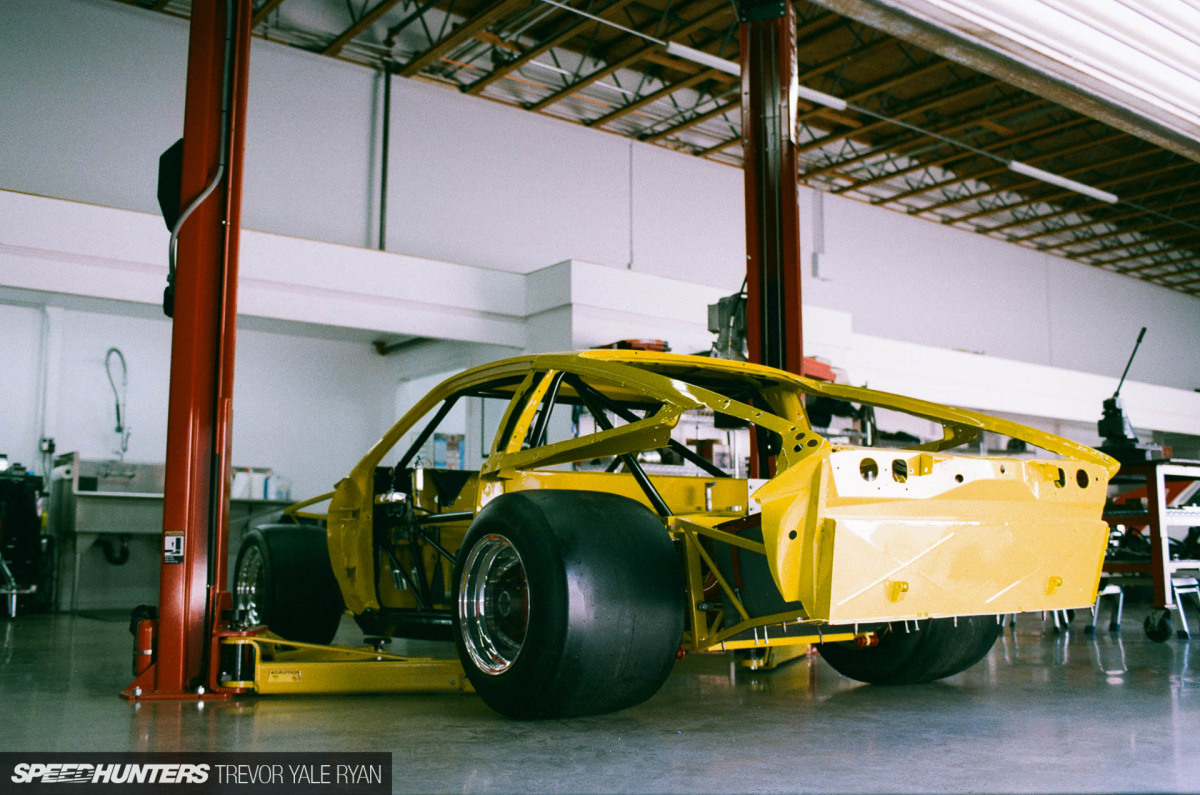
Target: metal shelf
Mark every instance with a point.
(1157, 518)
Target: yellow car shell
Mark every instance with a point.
(851, 534)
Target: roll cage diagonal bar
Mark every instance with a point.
(538, 437)
(688, 453)
(427, 431)
(590, 398)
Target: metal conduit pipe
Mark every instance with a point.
(386, 146)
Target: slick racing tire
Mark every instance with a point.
(922, 652)
(283, 579)
(568, 603)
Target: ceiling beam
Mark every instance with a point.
(980, 175)
(1153, 266)
(365, 21)
(665, 91)
(885, 85)
(728, 142)
(466, 30)
(1107, 219)
(954, 156)
(263, 12)
(719, 110)
(1135, 271)
(908, 141)
(806, 34)
(1054, 197)
(1102, 251)
(898, 19)
(564, 35)
(1089, 208)
(1184, 272)
(904, 139)
(722, 9)
(1028, 183)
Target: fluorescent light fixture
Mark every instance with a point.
(821, 98)
(1062, 182)
(704, 59)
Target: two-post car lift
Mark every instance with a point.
(193, 648)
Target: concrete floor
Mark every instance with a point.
(1044, 712)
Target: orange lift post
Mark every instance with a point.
(768, 54)
(192, 595)
(767, 39)
(194, 648)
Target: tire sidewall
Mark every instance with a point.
(300, 600)
(936, 649)
(606, 603)
(526, 529)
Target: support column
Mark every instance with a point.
(768, 54)
(196, 501)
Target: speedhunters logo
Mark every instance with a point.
(145, 773)
(81, 772)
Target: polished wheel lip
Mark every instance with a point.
(249, 586)
(487, 580)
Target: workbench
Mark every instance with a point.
(98, 504)
(135, 520)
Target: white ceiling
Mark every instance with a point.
(1148, 50)
(1139, 56)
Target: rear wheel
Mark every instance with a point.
(919, 652)
(283, 579)
(568, 603)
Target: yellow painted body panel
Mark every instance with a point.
(965, 536)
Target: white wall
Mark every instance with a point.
(91, 96)
(306, 407)
(689, 220)
(471, 181)
(906, 279)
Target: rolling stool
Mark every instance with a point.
(1114, 624)
(1181, 586)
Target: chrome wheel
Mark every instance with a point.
(493, 604)
(250, 586)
